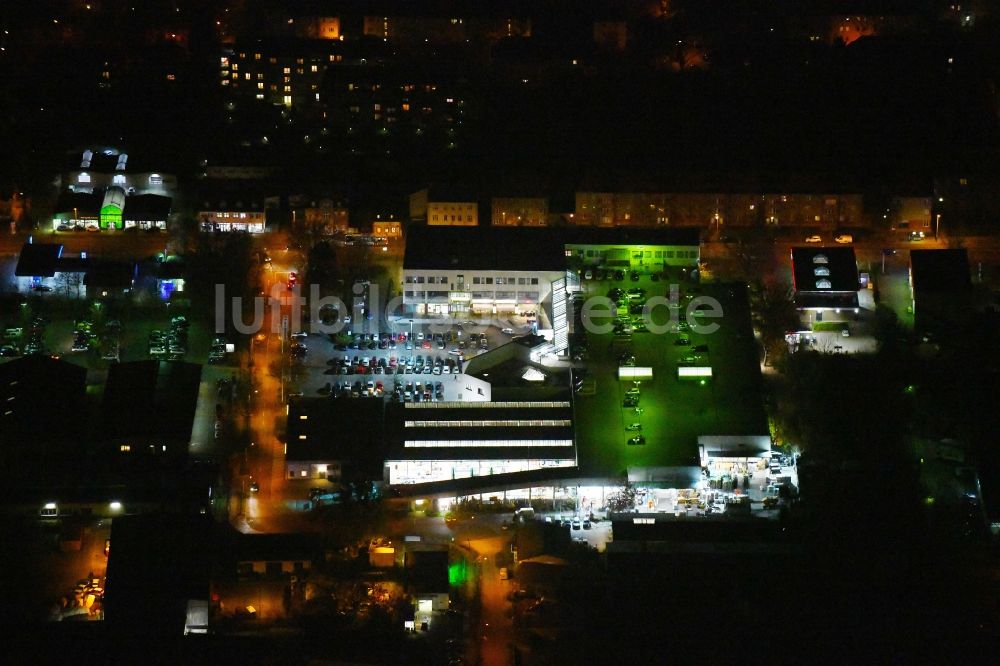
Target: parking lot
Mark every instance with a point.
(377, 364)
(97, 335)
(656, 421)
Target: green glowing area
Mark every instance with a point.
(718, 394)
(111, 217)
(458, 573)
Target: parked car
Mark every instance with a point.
(814, 239)
(844, 239)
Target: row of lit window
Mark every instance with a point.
(517, 423)
(417, 471)
(502, 404)
(484, 443)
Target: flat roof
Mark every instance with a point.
(350, 430)
(675, 412)
(112, 274)
(813, 267)
(940, 270)
(146, 207)
(101, 162)
(84, 203)
(430, 247)
(473, 431)
(151, 400)
(38, 260)
(43, 401)
(158, 563)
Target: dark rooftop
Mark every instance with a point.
(151, 402)
(110, 274)
(140, 207)
(428, 571)
(229, 200)
(940, 270)
(43, 399)
(825, 277)
(467, 423)
(338, 429)
(157, 563)
(522, 248)
(273, 547)
(102, 162)
(85, 203)
(38, 260)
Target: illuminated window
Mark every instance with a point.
(256, 56)
(125, 448)
(260, 85)
(823, 284)
(288, 89)
(247, 76)
(314, 68)
(485, 443)
(83, 178)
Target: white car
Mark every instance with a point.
(844, 239)
(814, 239)
(507, 331)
